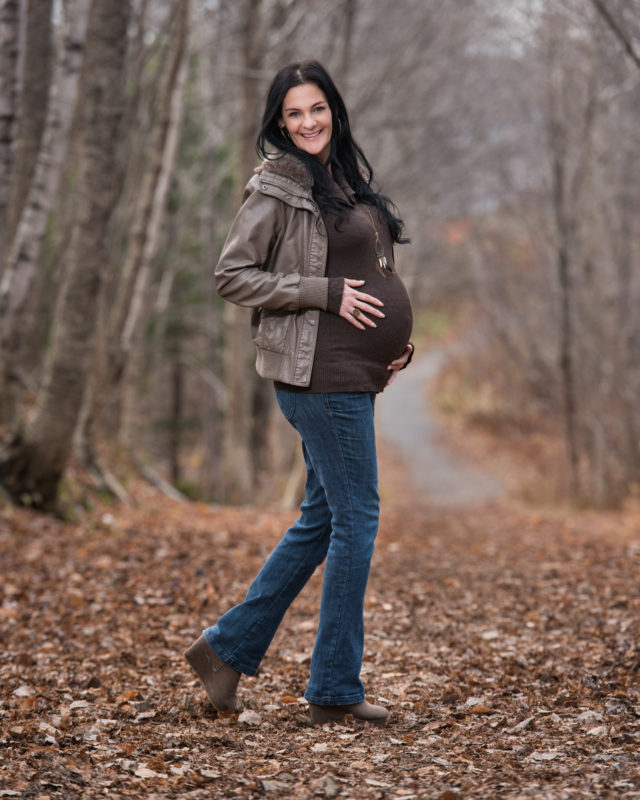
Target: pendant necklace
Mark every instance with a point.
(381, 260)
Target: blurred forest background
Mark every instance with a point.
(507, 132)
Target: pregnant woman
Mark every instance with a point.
(311, 252)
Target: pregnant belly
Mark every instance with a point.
(370, 351)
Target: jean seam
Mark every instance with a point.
(334, 639)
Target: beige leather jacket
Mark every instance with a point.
(274, 261)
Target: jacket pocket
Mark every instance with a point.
(272, 332)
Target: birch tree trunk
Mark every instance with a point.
(150, 205)
(24, 254)
(35, 457)
(34, 93)
(130, 304)
(9, 38)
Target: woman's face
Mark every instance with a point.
(307, 117)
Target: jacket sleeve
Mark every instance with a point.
(241, 275)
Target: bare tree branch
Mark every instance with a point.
(617, 30)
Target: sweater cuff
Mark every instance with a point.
(413, 350)
(314, 293)
(336, 290)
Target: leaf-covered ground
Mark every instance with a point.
(504, 641)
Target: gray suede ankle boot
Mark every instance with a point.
(219, 679)
(376, 715)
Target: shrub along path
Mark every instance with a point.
(504, 641)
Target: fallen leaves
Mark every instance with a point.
(504, 644)
(250, 718)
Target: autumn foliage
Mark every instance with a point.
(504, 642)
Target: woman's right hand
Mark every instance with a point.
(356, 305)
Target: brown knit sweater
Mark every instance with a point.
(346, 358)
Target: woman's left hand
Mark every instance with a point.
(399, 363)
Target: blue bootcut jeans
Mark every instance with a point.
(339, 522)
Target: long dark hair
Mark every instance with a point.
(346, 155)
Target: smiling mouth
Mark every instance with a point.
(310, 135)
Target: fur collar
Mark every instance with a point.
(289, 167)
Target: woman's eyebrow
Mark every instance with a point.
(313, 105)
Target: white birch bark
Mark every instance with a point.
(114, 350)
(26, 248)
(9, 47)
(35, 457)
(35, 76)
(158, 203)
(148, 214)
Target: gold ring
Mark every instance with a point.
(356, 312)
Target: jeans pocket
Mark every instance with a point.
(287, 403)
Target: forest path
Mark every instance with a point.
(503, 640)
(405, 423)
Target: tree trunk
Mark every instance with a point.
(26, 248)
(567, 368)
(618, 31)
(243, 442)
(564, 219)
(9, 39)
(176, 419)
(625, 313)
(212, 429)
(129, 305)
(34, 93)
(36, 455)
(346, 47)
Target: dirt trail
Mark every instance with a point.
(404, 422)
